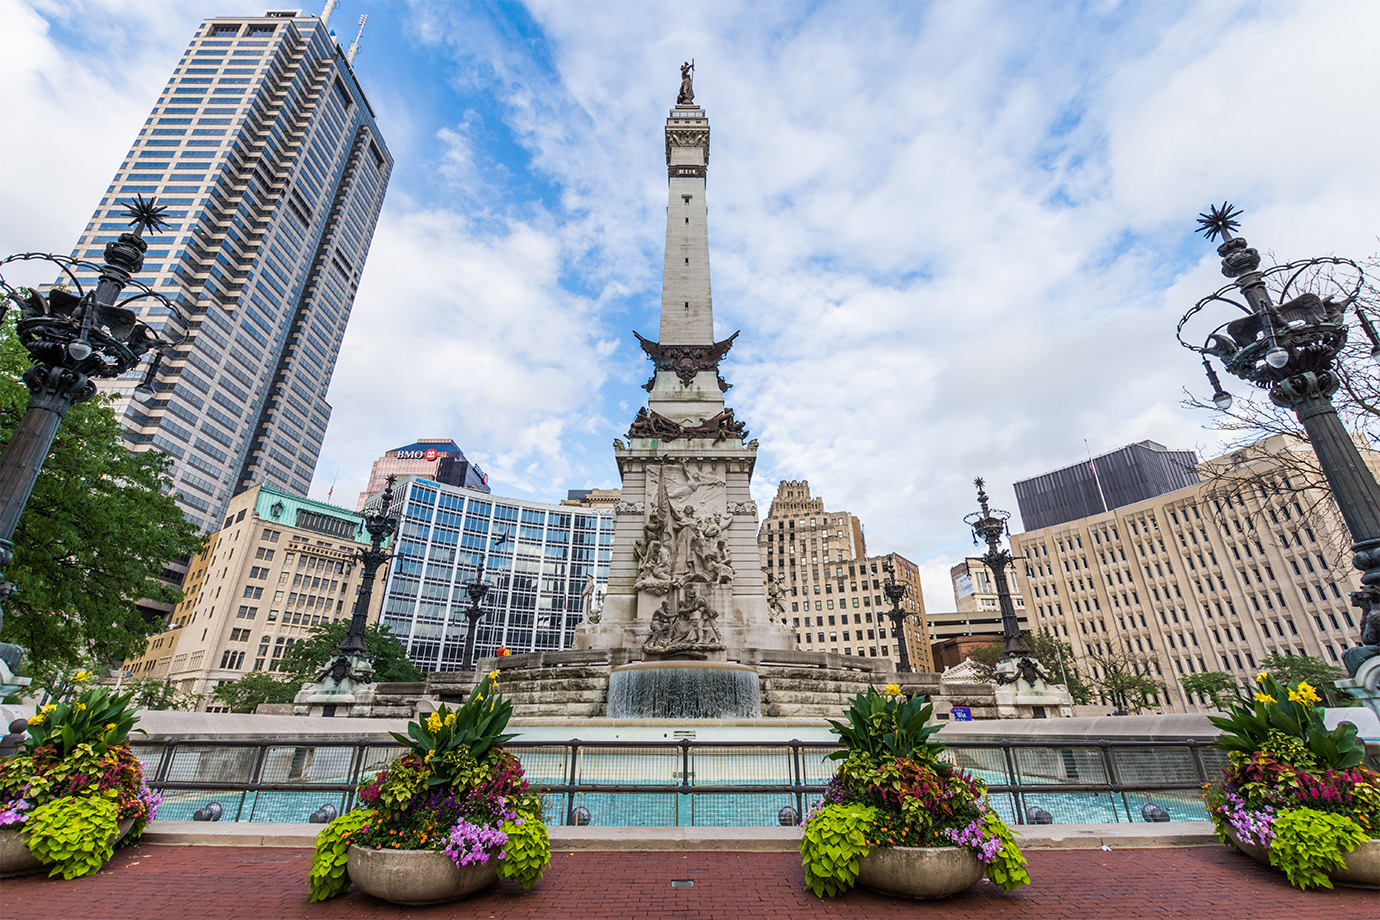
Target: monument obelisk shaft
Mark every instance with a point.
(685, 578)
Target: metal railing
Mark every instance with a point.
(686, 781)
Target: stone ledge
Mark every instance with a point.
(728, 839)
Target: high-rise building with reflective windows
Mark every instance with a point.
(537, 561)
(263, 147)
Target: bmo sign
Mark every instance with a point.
(428, 454)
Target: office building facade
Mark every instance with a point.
(264, 149)
(437, 459)
(1122, 477)
(537, 558)
(278, 565)
(831, 589)
(1199, 579)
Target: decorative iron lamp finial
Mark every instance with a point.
(1219, 220)
(145, 215)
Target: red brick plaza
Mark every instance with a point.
(270, 883)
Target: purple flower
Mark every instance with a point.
(470, 843)
(12, 812)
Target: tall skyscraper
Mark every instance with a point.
(437, 459)
(264, 148)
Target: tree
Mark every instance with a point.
(1288, 668)
(152, 693)
(305, 660)
(1218, 687)
(1121, 682)
(99, 526)
(245, 694)
(1054, 655)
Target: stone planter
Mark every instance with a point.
(1362, 864)
(416, 876)
(15, 858)
(920, 872)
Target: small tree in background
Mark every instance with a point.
(152, 693)
(1055, 655)
(245, 694)
(1218, 687)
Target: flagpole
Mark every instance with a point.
(1098, 479)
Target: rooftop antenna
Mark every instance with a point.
(354, 45)
(326, 13)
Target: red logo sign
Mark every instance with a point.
(430, 454)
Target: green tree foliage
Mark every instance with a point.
(1218, 687)
(1055, 655)
(305, 660)
(98, 528)
(1289, 669)
(1121, 685)
(152, 693)
(245, 694)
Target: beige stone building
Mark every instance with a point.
(831, 589)
(592, 498)
(1201, 579)
(279, 565)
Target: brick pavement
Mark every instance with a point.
(150, 882)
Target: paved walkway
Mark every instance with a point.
(270, 883)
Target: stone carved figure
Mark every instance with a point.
(775, 595)
(687, 89)
(587, 596)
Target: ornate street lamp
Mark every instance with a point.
(73, 338)
(894, 592)
(990, 524)
(352, 658)
(1289, 350)
(477, 590)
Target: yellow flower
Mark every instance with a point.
(892, 690)
(37, 718)
(450, 720)
(1264, 698)
(109, 726)
(1260, 678)
(50, 707)
(433, 724)
(1305, 694)
(81, 675)
(81, 705)
(493, 675)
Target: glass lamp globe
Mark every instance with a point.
(1277, 357)
(1221, 399)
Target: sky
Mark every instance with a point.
(956, 237)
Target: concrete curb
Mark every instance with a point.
(725, 839)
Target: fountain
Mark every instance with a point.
(678, 689)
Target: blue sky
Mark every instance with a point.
(956, 236)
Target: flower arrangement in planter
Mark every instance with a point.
(898, 818)
(75, 790)
(1295, 794)
(454, 812)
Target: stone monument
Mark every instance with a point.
(685, 580)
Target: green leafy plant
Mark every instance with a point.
(74, 835)
(1310, 843)
(328, 876)
(887, 725)
(476, 726)
(95, 717)
(1007, 870)
(833, 844)
(527, 852)
(1293, 711)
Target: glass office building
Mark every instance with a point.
(537, 557)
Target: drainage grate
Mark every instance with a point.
(682, 883)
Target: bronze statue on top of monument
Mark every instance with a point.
(687, 89)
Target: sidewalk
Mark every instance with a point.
(270, 883)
